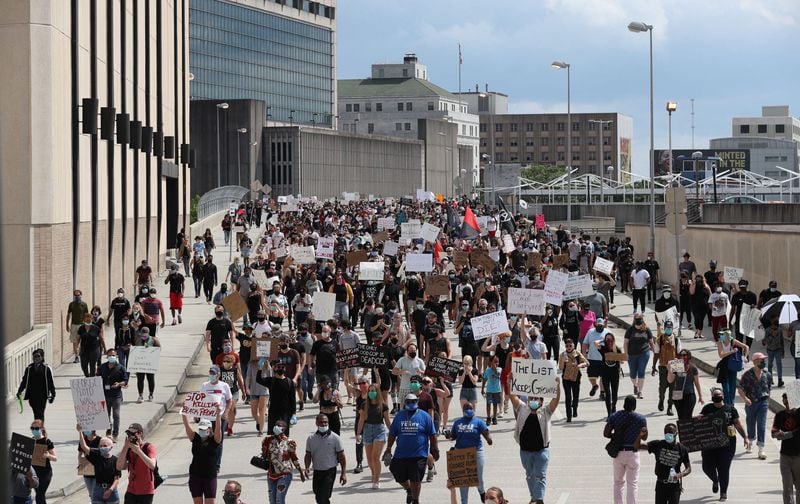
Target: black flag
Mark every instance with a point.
(452, 220)
(505, 218)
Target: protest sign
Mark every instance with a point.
(429, 232)
(143, 359)
(235, 306)
(324, 305)
(462, 467)
(530, 301)
(460, 258)
(370, 356)
(379, 237)
(85, 468)
(356, 257)
(303, 255)
(561, 261)
(279, 251)
(616, 357)
(385, 223)
(20, 453)
(423, 195)
(437, 285)
(676, 366)
(260, 277)
(533, 260)
(603, 266)
(539, 221)
(481, 258)
(347, 358)
(483, 224)
(38, 459)
(371, 271)
(489, 324)
(534, 377)
(577, 287)
(670, 314)
(390, 248)
(445, 368)
(410, 230)
(793, 393)
(554, 287)
(265, 346)
(90, 403)
(703, 433)
(508, 244)
(749, 320)
(282, 199)
(419, 262)
(201, 405)
(733, 275)
(325, 247)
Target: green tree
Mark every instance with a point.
(542, 173)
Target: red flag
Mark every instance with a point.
(437, 251)
(470, 229)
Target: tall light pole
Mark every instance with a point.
(600, 123)
(639, 27)
(560, 65)
(490, 106)
(671, 107)
(239, 155)
(220, 106)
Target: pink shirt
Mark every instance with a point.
(587, 323)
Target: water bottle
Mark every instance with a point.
(672, 475)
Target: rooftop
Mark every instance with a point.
(410, 87)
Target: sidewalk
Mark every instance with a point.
(704, 352)
(181, 345)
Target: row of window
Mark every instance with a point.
(241, 14)
(300, 51)
(544, 157)
(545, 142)
(744, 129)
(560, 126)
(247, 62)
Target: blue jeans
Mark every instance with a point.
(729, 387)
(757, 417)
(637, 365)
(89, 484)
(796, 363)
(278, 489)
(535, 464)
(343, 310)
(307, 383)
(775, 355)
(464, 491)
(97, 496)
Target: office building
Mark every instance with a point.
(281, 52)
(94, 149)
(542, 139)
(776, 122)
(393, 100)
(765, 154)
(484, 103)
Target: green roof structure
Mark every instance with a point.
(410, 87)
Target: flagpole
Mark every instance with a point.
(460, 177)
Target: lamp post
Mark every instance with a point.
(490, 106)
(239, 155)
(671, 107)
(220, 106)
(560, 65)
(600, 123)
(609, 171)
(639, 27)
(696, 156)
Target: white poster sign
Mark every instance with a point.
(554, 287)
(793, 394)
(371, 271)
(410, 230)
(530, 301)
(419, 262)
(490, 324)
(508, 244)
(263, 348)
(423, 195)
(325, 246)
(578, 287)
(390, 248)
(670, 314)
(90, 403)
(733, 275)
(603, 266)
(324, 305)
(749, 320)
(483, 223)
(201, 405)
(143, 359)
(385, 223)
(429, 232)
(534, 378)
(303, 255)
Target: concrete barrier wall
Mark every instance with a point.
(622, 213)
(776, 213)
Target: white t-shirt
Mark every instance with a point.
(415, 365)
(262, 327)
(591, 336)
(536, 349)
(719, 304)
(220, 388)
(640, 278)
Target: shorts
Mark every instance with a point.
(408, 469)
(175, 300)
(73, 333)
(373, 433)
(494, 398)
(202, 486)
(235, 396)
(595, 368)
(637, 365)
(468, 394)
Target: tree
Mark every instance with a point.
(542, 173)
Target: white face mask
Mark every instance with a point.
(667, 295)
(719, 289)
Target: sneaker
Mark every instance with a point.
(639, 395)
(108, 432)
(358, 469)
(661, 405)
(635, 390)
(723, 497)
(602, 395)
(408, 496)
(431, 473)
(488, 420)
(150, 398)
(575, 414)
(594, 391)
(174, 322)
(301, 405)
(715, 487)
(376, 485)
(494, 420)
(180, 320)
(669, 410)
(77, 360)
(140, 400)
(749, 449)
(780, 383)
(761, 454)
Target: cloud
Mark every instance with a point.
(612, 14)
(466, 33)
(782, 12)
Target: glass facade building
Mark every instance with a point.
(238, 52)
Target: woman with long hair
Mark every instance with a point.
(259, 394)
(638, 344)
(609, 375)
(684, 385)
(42, 465)
(373, 424)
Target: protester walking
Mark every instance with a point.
(638, 345)
(324, 450)
(107, 471)
(786, 429)
(468, 432)
(570, 362)
(115, 378)
(754, 389)
(147, 341)
(139, 458)
(672, 464)
(371, 428)
(717, 461)
(666, 348)
(625, 429)
(37, 385)
(43, 471)
(683, 385)
(280, 453)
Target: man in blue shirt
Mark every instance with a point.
(414, 431)
(115, 378)
(467, 432)
(631, 427)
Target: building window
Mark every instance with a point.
(576, 157)
(483, 103)
(780, 128)
(408, 126)
(484, 143)
(576, 141)
(545, 141)
(744, 129)
(499, 156)
(576, 126)
(512, 127)
(348, 107)
(464, 129)
(591, 140)
(399, 106)
(498, 143)
(529, 156)
(452, 107)
(544, 157)
(512, 157)
(606, 140)
(379, 107)
(607, 126)
(544, 127)
(368, 107)
(762, 128)
(483, 127)
(528, 126)
(370, 127)
(398, 126)
(430, 105)
(607, 156)
(529, 143)
(405, 72)
(408, 106)
(513, 143)
(498, 128)
(561, 156)
(592, 156)
(356, 107)
(560, 126)
(561, 141)
(592, 126)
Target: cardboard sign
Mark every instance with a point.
(561, 261)
(371, 356)
(733, 275)
(577, 287)
(347, 358)
(676, 366)
(380, 237)
(325, 247)
(508, 244)
(534, 260)
(462, 467)
(429, 232)
(144, 359)
(616, 357)
(534, 377)
(263, 347)
(793, 393)
(256, 185)
(410, 230)
(419, 263)
(324, 305)
(38, 459)
(20, 453)
(235, 306)
(489, 325)
(437, 285)
(482, 258)
(539, 221)
(603, 266)
(303, 255)
(530, 301)
(438, 367)
(460, 258)
(483, 224)
(371, 271)
(390, 248)
(554, 287)
(671, 314)
(385, 223)
(749, 320)
(85, 468)
(201, 405)
(356, 257)
(90, 403)
(703, 433)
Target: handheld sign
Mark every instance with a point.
(235, 306)
(371, 271)
(437, 285)
(462, 467)
(201, 405)
(561, 261)
(324, 305)
(390, 248)
(508, 244)
(616, 357)
(670, 314)
(90, 403)
(419, 262)
(489, 324)
(676, 366)
(793, 394)
(733, 275)
(481, 258)
(325, 249)
(703, 433)
(303, 255)
(533, 260)
(554, 287)
(347, 358)
(21, 453)
(264, 347)
(577, 287)
(534, 377)
(143, 359)
(603, 266)
(429, 232)
(530, 301)
(370, 356)
(379, 237)
(385, 223)
(460, 258)
(443, 368)
(356, 257)
(749, 320)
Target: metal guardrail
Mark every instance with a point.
(219, 199)
(19, 353)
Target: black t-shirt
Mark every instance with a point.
(220, 330)
(789, 421)
(176, 281)
(413, 288)
(467, 382)
(418, 319)
(105, 469)
(668, 456)
(530, 437)
(429, 331)
(120, 307)
(325, 352)
(204, 457)
(244, 351)
(729, 412)
(90, 338)
(229, 376)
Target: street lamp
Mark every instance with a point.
(560, 65)
(239, 154)
(291, 118)
(220, 106)
(671, 107)
(696, 156)
(600, 123)
(639, 27)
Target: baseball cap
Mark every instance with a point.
(411, 398)
(134, 427)
(743, 283)
(757, 356)
(601, 320)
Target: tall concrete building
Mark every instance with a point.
(94, 150)
(773, 140)
(393, 100)
(484, 103)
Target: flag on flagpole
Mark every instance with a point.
(506, 219)
(437, 251)
(470, 229)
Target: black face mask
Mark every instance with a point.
(716, 399)
(229, 498)
(218, 315)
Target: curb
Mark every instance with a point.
(774, 405)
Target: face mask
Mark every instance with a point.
(716, 399)
(667, 331)
(36, 433)
(469, 413)
(549, 312)
(229, 498)
(393, 340)
(718, 289)
(144, 337)
(279, 371)
(262, 319)
(203, 433)
(638, 323)
(412, 406)
(322, 429)
(212, 378)
(105, 451)
(598, 328)
(669, 437)
(144, 291)
(277, 430)
(419, 306)
(120, 295)
(125, 322)
(533, 405)
(227, 349)
(77, 299)
(772, 289)
(112, 359)
(762, 365)
(283, 347)
(372, 394)
(218, 314)
(412, 354)
(536, 278)
(667, 295)
(491, 501)
(414, 387)
(87, 433)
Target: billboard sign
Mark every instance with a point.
(682, 162)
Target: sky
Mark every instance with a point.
(730, 56)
